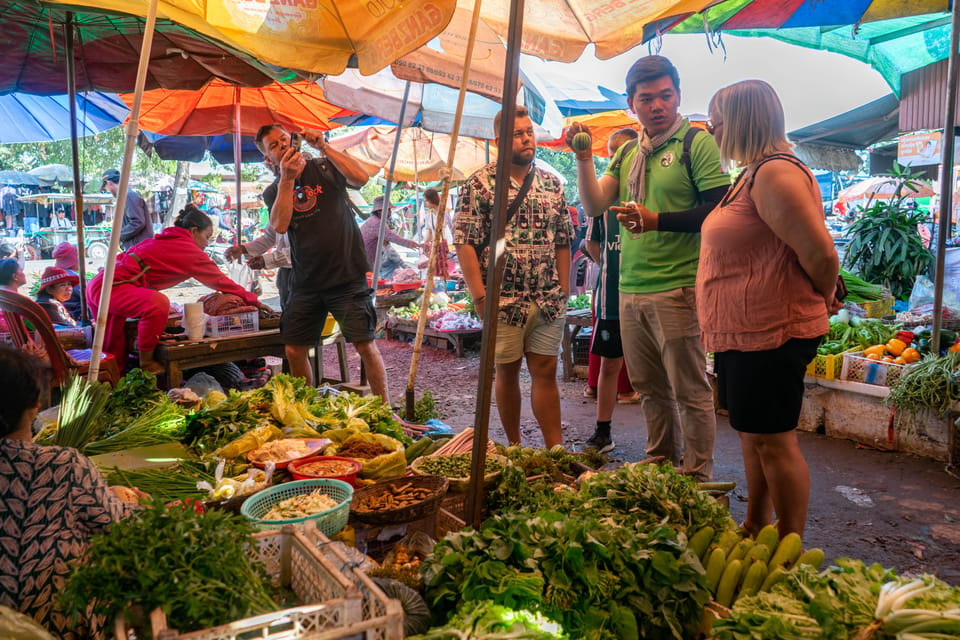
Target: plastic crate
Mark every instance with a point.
(332, 601)
(856, 368)
(878, 308)
(231, 325)
(581, 347)
(381, 616)
(827, 367)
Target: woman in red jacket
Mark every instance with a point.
(171, 257)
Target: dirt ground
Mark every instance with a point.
(897, 509)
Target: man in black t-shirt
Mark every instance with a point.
(308, 203)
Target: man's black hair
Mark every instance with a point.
(649, 68)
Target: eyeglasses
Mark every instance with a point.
(713, 126)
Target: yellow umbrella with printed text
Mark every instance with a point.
(317, 36)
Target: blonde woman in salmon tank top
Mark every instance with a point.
(765, 288)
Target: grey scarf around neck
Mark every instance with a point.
(645, 146)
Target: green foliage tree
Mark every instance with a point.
(98, 152)
(885, 244)
(566, 164)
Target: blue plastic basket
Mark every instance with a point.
(329, 522)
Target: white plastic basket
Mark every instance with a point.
(233, 324)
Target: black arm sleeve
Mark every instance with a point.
(689, 221)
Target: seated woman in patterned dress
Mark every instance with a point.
(52, 499)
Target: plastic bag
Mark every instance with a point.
(383, 467)
(253, 439)
(923, 290)
(201, 383)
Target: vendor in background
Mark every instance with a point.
(259, 256)
(56, 288)
(390, 261)
(136, 218)
(173, 256)
(65, 257)
(53, 500)
(445, 264)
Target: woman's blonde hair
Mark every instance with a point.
(753, 122)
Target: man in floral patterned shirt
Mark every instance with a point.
(533, 295)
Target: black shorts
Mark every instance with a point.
(606, 341)
(351, 304)
(763, 390)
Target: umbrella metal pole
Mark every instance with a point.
(385, 212)
(438, 220)
(946, 177)
(494, 275)
(238, 240)
(132, 128)
(75, 156)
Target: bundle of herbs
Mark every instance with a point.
(163, 485)
(194, 567)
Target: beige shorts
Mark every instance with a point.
(537, 336)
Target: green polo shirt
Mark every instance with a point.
(665, 260)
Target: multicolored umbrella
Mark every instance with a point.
(884, 188)
(891, 36)
(106, 51)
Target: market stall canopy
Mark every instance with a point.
(317, 36)
(195, 148)
(830, 144)
(18, 178)
(421, 155)
(50, 174)
(107, 49)
(67, 198)
(217, 107)
(33, 118)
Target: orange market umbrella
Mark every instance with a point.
(220, 107)
(602, 126)
(421, 155)
(884, 187)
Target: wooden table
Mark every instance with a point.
(576, 319)
(176, 355)
(395, 327)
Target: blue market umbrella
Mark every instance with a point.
(34, 118)
(193, 148)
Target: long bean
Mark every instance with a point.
(934, 383)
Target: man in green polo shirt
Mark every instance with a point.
(671, 181)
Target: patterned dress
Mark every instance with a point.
(52, 499)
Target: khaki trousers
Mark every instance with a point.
(667, 365)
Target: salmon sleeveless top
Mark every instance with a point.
(752, 293)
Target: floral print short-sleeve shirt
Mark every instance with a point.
(52, 499)
(540, 226)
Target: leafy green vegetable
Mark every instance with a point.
(336, 411)
(425, 408)
(599, 579)
(193, 566)
(489, 621)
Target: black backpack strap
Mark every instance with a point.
(624, 149)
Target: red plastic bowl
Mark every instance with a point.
(350, 478)
(406, 286)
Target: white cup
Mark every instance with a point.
(192, 311)
(195, 328)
